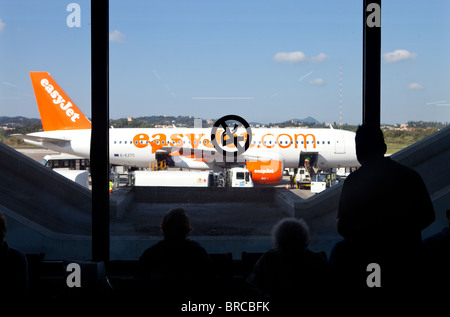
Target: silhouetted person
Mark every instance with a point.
(437, 256)
(290, 274)
(384, 207)
(13, 268)
(179, 267)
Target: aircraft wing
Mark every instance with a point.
(41, 139)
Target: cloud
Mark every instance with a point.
(298, 57)
(398, 56)
(441, 103)
(290, 57)
(2, 25)
(317, 82)
(116, 37)
(415, 86)
(319, 58)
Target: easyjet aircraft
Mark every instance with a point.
(268, 151)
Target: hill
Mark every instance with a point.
(7, 123)
(307, 120)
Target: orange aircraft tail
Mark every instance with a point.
(57, 110)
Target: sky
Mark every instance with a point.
(267, 61)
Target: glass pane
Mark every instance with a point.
(185, 64)
(416, 92)
(415, 71)
(45, 74)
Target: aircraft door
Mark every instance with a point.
(339, 144)
(311, 157)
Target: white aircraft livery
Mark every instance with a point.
(266, 153)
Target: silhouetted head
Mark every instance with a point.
(2, 228)
(290, 234)
(369, 142)
(176, 224)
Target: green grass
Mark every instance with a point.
(395, 147)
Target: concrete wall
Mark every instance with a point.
(45, 211)
(43, 196)
(158, 195)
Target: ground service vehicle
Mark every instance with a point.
(232, 177)
(322, 181)
(303, 178)
(73, 167)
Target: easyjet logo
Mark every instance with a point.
(268, 140)
(271, 171)
(58, 99)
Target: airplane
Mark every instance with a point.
(267, 153)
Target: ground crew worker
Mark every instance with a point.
(307, 161)
(292, 180)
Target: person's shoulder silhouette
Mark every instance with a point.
(177, 265)
(437, 256)
(290, 270)
(383, 197)
(383, 208)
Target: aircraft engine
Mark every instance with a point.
(266, 172)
